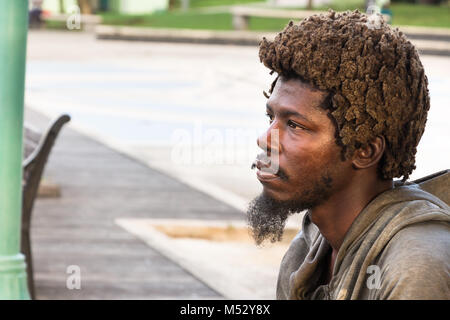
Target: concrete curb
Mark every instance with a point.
(180, 35)
(428, 41)
(439, 34)
(194, 256)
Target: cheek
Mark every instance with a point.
(298, 161)
(305, 159)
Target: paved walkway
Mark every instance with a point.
(98, 186)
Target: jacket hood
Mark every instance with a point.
(437, 184)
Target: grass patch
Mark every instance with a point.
(215, 21)
(266, 24)
(403, 14)
(59, 25)
(421, 15)
(344, 5)
(214, 3)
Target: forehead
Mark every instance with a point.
(295, 95)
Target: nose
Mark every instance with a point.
(269, 141)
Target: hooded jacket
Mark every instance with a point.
(396, 248)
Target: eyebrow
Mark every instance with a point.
(288, 113)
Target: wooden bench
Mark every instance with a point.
(241, 15)
(37, 148)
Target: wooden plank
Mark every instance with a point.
(99, 185)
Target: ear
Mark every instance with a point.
(369, 155)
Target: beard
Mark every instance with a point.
(266, 217)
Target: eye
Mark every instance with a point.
(270, 117)
(294, 125)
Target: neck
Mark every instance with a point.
(335, 216)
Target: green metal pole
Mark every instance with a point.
(13, 39)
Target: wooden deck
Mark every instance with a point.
(99, 185)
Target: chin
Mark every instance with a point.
(277, 195)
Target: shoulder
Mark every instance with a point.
(420, 244)
(415, 263)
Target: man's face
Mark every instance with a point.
(305, 153)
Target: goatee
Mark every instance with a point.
(267, 217)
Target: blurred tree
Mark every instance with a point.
(309, 6)
(172, 4)
(85, 6)
(61, 6)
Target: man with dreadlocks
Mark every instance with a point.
(347, 110)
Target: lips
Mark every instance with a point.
(264, 176)
(265, 172)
